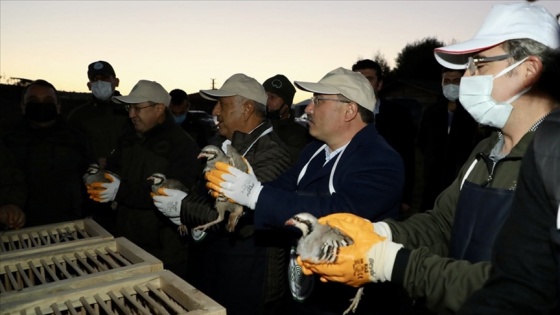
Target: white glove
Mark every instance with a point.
(170, 203)
(105, 192)
(240, 187)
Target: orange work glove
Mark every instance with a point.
(104, 192)
(369, 259)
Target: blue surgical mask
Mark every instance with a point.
(475, 94)
(179, 119)
(451, 92)
(102, 90)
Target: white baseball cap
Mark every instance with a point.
(145, 91)
(352, 85)
(504, 22)
(238, 84)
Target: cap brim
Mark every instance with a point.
(316, 88)
(214, 95)
(456, 56)
(130, 99)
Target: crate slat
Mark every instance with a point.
(122, 296)
(58, 269)
(59, 234)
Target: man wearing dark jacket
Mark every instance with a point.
(281, 93)
(102, 121)
(52, 156)
(154, 143)
(349, 168)
(241, 270)
(394, 122)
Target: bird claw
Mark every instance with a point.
(355, 302)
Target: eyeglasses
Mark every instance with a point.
(316, 99)
(135, 108)
(472, 63)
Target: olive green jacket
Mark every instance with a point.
(423, 267)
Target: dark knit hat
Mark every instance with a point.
(281, 86)
(100, 68)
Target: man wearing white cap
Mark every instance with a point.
(348, 168)
(510, 84)
(153, 143)
(240, 270)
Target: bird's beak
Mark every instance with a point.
(289, 222)
(203, 155)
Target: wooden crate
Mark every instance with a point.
(38, 273)
(157, 293)
(70, 233)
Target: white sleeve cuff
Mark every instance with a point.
(254, 196)
(383, 229)
(391, 251)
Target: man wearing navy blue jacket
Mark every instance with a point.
(348, 168)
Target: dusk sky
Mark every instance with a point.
(186, 44)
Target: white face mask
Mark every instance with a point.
(102, 90)
(451, 92)
(475, 94)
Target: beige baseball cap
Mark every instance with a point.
(238, 84)
(145, 91)
(504, 22)
(353, 85)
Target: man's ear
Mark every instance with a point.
(351, 111)
(248, 108)
(89, 85)
(116, 82)
(533, 70)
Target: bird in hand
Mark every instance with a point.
(96, 174)
(214, 154)
(319, 243)
(159, 180)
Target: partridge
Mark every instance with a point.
(159, 180)
(214, 154)
(319, 243)
(96, 174)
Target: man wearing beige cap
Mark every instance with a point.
(348, 168)
(240, 270)
(511, 84)
(154, 143)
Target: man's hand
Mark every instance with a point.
(168, 202)
(12, 216)
(369, 259)
(240, 187)
(104, 192)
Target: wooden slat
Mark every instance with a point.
(107, 258)
(87, 306)
(48, 269)
(164, 298)
(84, 263)
(97, 263)
(73, 265)
(118, 257)
(116, 301)
(103, 305)
(22, 242)
(36, 272)
(23, 275)
(70, 307)
(153, 304)
(61, 268)
(15, 286)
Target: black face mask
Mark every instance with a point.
(40, 112)
(274, 114)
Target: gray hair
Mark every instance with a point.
(260, 109)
